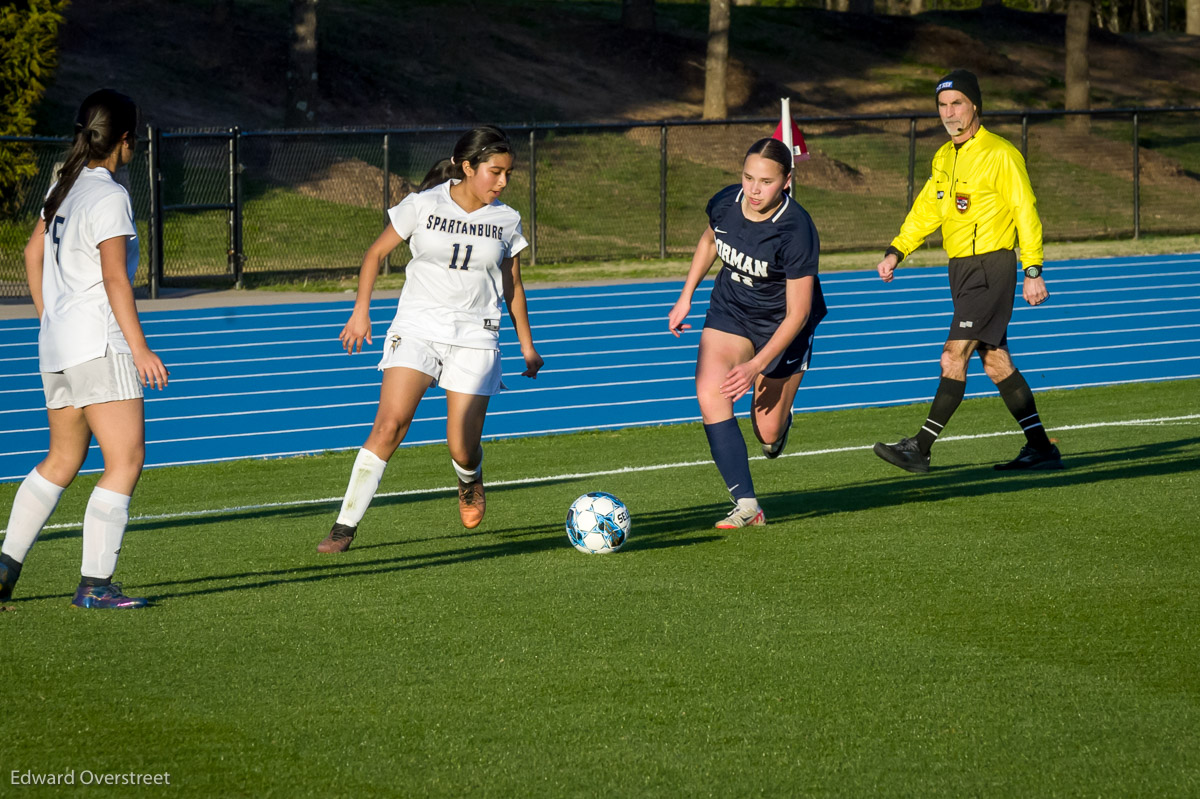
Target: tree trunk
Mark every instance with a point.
(1076, 45)
(716, 65)
(302, 92)
(638, 15)
(1193, 17)
(916, 7)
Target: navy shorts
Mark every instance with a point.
(794, 358)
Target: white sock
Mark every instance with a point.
(103, 530)
(364, 480)
(469, 475)
(35, 501)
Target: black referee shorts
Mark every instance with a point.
(983, 287)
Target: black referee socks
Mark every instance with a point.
(1019, 399)
(945, 403)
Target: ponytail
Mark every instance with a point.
(442, 171)
(475, 147)
(104, 118)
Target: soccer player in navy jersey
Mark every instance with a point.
(765, 306)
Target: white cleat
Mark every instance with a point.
(745, 513)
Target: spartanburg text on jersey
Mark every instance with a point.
(758, 258)
(77, 321)
(453, 288)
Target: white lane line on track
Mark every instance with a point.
(809, 389)
(521, 481)
(937, 314)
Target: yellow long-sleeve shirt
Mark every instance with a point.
(980, 195)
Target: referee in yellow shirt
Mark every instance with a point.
(980, 196)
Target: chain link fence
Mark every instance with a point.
(226, 206)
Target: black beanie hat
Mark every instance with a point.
(963, 81)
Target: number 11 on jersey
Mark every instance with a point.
(466, 257)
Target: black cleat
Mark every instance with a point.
(8, 580)
(773, 451)
(338, 540)
(905, 454)
(1031, 459)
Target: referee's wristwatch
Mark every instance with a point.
(1033, 271)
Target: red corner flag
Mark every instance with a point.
(790, 135)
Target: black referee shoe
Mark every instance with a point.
(905, 454)
(1031, 459)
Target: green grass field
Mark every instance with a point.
(964, 633)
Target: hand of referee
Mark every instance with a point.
(887, 267)
(1034, 290)
(355, 332)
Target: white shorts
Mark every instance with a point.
(463, 370)
(109, 378)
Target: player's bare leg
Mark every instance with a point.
(120, 431)
(399, 396)
(720, 352)
(1039, 453)
(771, 411)
(39, 492)
(465, 414)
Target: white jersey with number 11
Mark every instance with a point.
(453, 287)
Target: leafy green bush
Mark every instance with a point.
(28, 50)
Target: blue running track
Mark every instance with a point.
(264, 381)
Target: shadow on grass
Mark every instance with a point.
(681, 526)
(653, 531)
(1088, 468)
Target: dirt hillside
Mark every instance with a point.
(455, 61)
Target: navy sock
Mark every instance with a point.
(95, 582)
(1019, 399)
(945, 402)
(729, 453)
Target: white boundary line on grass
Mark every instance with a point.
(602, 473)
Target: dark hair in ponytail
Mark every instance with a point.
(104, 118)
(774, 150)
(474, 148)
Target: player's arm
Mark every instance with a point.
(923, 218)
(740, 378)
(1012, 183)
(358, 329)
(702, 261)
(149, 366)
(518, 311)
(35, 252)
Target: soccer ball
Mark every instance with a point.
(598, 523)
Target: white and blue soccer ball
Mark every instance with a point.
(598, 523)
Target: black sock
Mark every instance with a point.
(1019, 399)
(94, 582)
(729, 453)
(14, 566)
(945, 403)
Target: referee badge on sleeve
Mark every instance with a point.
(962, 202)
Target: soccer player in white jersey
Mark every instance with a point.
(465, 259)
(92, 353)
